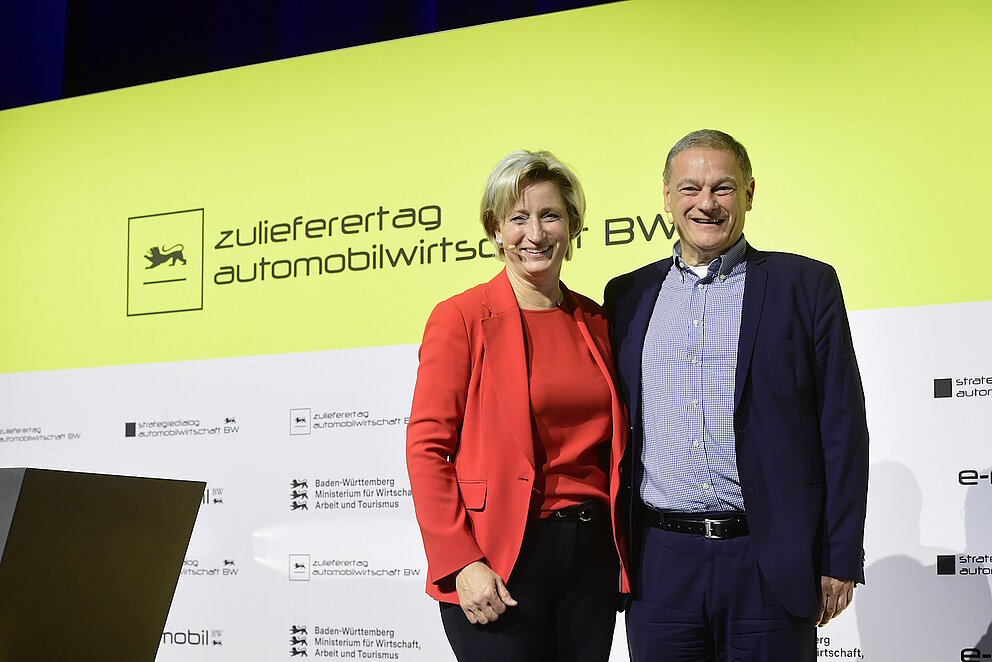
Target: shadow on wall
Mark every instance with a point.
(978, 534)
(905, 610)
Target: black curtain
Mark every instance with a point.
(118, 43)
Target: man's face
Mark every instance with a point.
(707, 197)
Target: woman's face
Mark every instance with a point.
(535, 233)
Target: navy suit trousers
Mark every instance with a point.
(702, 600)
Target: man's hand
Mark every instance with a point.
(481, 593)
(835, 596)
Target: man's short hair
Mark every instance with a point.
(712, 139)
(515, 172)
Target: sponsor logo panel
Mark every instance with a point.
(826, 650)
(35, 433)
(209, 568)
(344, 493)
(962, 387)
(351, 642)
(165, 262)
(305, 420)
(976, 565)
(193, 637)
(299, 567)
(191, 426)
(304, 567)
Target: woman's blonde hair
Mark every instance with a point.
(515, 172)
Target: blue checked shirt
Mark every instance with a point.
(689, 366)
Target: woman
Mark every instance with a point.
(515, 439)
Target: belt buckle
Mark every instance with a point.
(708, 529)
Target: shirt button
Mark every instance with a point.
(695, 322)
(694, 360)
(700, 286)
(695, 402)
(695, 443)
(706, 486)
(723, 276)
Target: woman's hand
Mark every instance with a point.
(481, 593)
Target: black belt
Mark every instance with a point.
(719, 527)
(582, 512)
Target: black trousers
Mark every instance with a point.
(566, 583)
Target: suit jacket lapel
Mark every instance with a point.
(632, 347)
(505, 359)
(754, 301)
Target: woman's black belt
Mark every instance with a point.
(582, 512)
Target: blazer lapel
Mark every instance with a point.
(632, 347)
(596, 333)
(754, 301)
(505, 359)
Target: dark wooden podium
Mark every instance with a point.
(89, 563)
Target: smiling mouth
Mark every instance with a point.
(707, 221)
(536, 252)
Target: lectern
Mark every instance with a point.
(89, 563)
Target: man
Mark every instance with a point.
(749, 444)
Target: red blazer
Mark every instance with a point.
(469, 445)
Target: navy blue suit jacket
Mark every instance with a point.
(799, 418)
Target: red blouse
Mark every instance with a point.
(570, 409)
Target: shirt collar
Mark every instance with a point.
(720, 267)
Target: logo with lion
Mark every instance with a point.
(157, 257)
